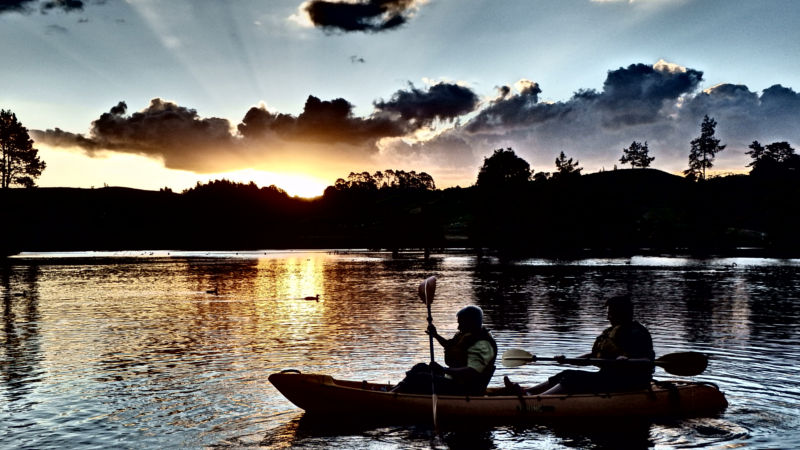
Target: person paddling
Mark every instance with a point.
(625, 339)
(470, 356)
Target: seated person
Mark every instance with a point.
(470, 355)
(625, 339)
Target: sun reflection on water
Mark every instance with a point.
(178, 348)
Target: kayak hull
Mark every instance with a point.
(322, 394)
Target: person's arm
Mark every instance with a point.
(432, 331)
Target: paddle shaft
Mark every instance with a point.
(582, 361)
(427, 296)
(680, 363)
(430, 335)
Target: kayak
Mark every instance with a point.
(323, 394)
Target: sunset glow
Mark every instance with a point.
(166, 94)
(299, 185)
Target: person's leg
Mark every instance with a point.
(417, 380)
(575, 382)
(539, 388)
(545, 386)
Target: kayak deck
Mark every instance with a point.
(322, 394)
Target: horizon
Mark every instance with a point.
(150, 95)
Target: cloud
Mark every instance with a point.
(65, 5)
(449, 151)
(443, 101)
(744, 115)
(163, 130)
(630, 96)
(321, 121)
(16, 6)
(184, 140)
(360, 15)
(660, 103)
(28, 6)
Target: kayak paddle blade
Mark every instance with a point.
(514, 358)
(683, 363)
(427, 289)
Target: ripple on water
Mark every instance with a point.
(112, 352)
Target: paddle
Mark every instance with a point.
(680, 363)
(426, 291)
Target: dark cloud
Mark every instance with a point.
(517, 110)
(28, 6)
(60, 138)
(163, 129)
(364, 15)
(630, 96)
(503, 91)
(321, 121)
(636, 94)
(64, 5)
(660, 104)
(442, 101)
(357, 59)
(184, 140)
(744, 115)
(23, 6)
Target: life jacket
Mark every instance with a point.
(455, 354)
(630, 339)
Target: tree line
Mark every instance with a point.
(20, 164)
(510, 208)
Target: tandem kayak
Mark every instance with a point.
(323, 394)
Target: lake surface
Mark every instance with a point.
(168, 349)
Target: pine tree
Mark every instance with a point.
(704, 148)
(566, 167)
(20, 163)
(638, 155)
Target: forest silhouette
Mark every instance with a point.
(619, 212)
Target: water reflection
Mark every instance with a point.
(22, 355)
(169, 350)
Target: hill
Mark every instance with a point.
(614, 212)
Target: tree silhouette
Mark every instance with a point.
(704, 148)
(775, 157)
(566, 167)
(388, 179)
(757, 152)
(20, 163)
(637, 155)
(781, 152)
(503, 169)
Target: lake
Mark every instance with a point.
(166, 349)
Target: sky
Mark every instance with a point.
(151, 94)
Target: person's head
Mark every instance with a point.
(470, 318)
(620, 309)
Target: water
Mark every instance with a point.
(168, 349)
